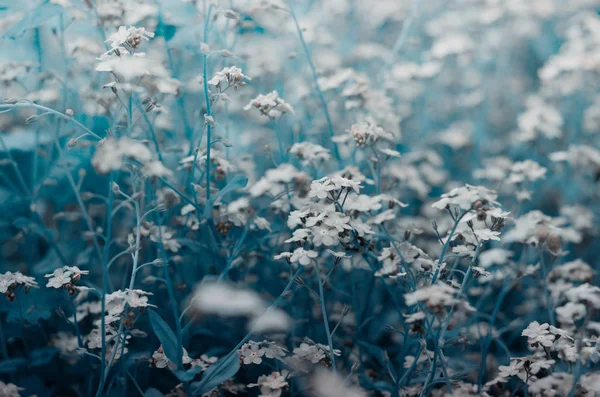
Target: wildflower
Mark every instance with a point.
(270, 105)
(160, 360)
(487, 234)
(321, 189)
(270, 321)
(226, 300)
(273, 350)
(68, 346)
(571, 312)
(10, 390)
(233, 76)
(65, 277)
(310, 153)
(10, 282)
(325, 236)
(313, 352)
(131, 37)
(542, 334)
(271, 385)
(326, 383)
(466, 197)
(435, 297)
(585, 293)
(540, 118)
(251, 353)
(111, 153)
(299, 235)
(58, 278)
(303, 257)
(367, 133)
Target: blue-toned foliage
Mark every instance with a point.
(328, 198)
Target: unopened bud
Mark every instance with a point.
(69, 112)
(231, 14)
(115, 188)
(32, 119)
(209, 120)
(554, 243)
(226, 54)
(10, 101)
(346, 310)
(72, 143)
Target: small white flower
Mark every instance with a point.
(270, 105)
(130, 37)
(303, 257)
(320, 189)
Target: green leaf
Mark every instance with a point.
(166, 337)
(237, 182)
(11, 365)
(186, 376)
(217, 373)
(152, 392)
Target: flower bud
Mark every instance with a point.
(32, 119)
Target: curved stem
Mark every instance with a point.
(315, 80)
(54, 112)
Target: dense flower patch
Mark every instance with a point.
(299, 198)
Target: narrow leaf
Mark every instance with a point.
(237, 182)
(166, 337)
(218, 373)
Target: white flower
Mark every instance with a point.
(325, 236)
(310, 153)
(58, 278)
(487, 234)
(540, 118)
(466, 196)
(10, 390)
(321, 189)
(341, 182)
(160, 359)
(271, 385)
(156, 169)
(537, 365)
(585, 293)
(11, 281)
(303, 257)
(270, 105)
(111, 153)
(368, 133)
(434, 296)
(226, 300)
(251, 353)
(538, 334)
(233, 76)
(131, 37)
(299, 236)
(338, 221)
(326, 383)
(571, 312)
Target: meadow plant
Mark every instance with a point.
(322, 198)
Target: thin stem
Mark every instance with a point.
(54, 112)
(324, 314)
(103, 371)
(315, 80)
